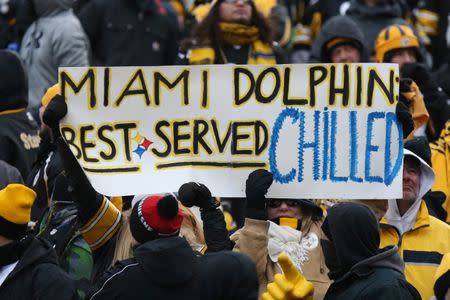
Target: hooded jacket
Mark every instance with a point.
(19, 134)
(360, 270)
(422, 239)
(37, 276)
(372, 19)
(55, 39)
(378, 277)
(167, 268)
(337, 27)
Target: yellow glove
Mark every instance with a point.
(291, 285)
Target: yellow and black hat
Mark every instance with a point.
(392, 38)
(15, 210)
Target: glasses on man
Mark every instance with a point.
(236, 1)
(274, 203)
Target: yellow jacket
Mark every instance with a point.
(421, 248)
(440, 159)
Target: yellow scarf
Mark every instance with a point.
(235, 34)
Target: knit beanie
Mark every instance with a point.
(155, 217)
(339, 41)
(419, 146)
(15, 210)
(49, 94)
(13, 82)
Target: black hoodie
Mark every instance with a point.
(38, 276)
(19, 134)
(360, 270)
(167, 268)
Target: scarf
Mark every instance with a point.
(235, 34)
(292, 242)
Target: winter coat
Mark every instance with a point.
(421, 238)
(167, 268)
(38, 276)
(19, 139)
(253, 239)
(372, 19)
(432, 22)
(440, 159)
(421, 248)
(378, 277)
(55, 39)
(41, 179)
(337, 27)
(124, 34)
(19, 134)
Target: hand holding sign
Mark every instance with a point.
(291, 285)
(194, 193)
(54, 112)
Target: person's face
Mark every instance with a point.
(235, 11)
(411, 179)
(345, 54)
(283, 209)
(404, 56)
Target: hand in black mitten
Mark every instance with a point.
(257, 185)
(417, 72)
(193, 193)
(55, 111)
(405, 117)
(405, 87)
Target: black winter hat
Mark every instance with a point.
(13, 82)
(419, 146)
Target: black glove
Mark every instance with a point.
(55, 111)
(417, 72)
(258, 182)
(193, 193)
(405, 87)
(405, 117)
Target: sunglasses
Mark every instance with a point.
(236, 1)
(274, 203)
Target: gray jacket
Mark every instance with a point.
(55, 39)
(372, 19)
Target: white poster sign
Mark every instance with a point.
(324, 130)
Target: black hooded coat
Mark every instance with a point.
(168, 268)
(359, 269)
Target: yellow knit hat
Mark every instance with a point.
(394, 37)
(49, 94)
(15, 210)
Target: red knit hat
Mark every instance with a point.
(155, 217)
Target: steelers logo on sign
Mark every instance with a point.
(404, 42)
